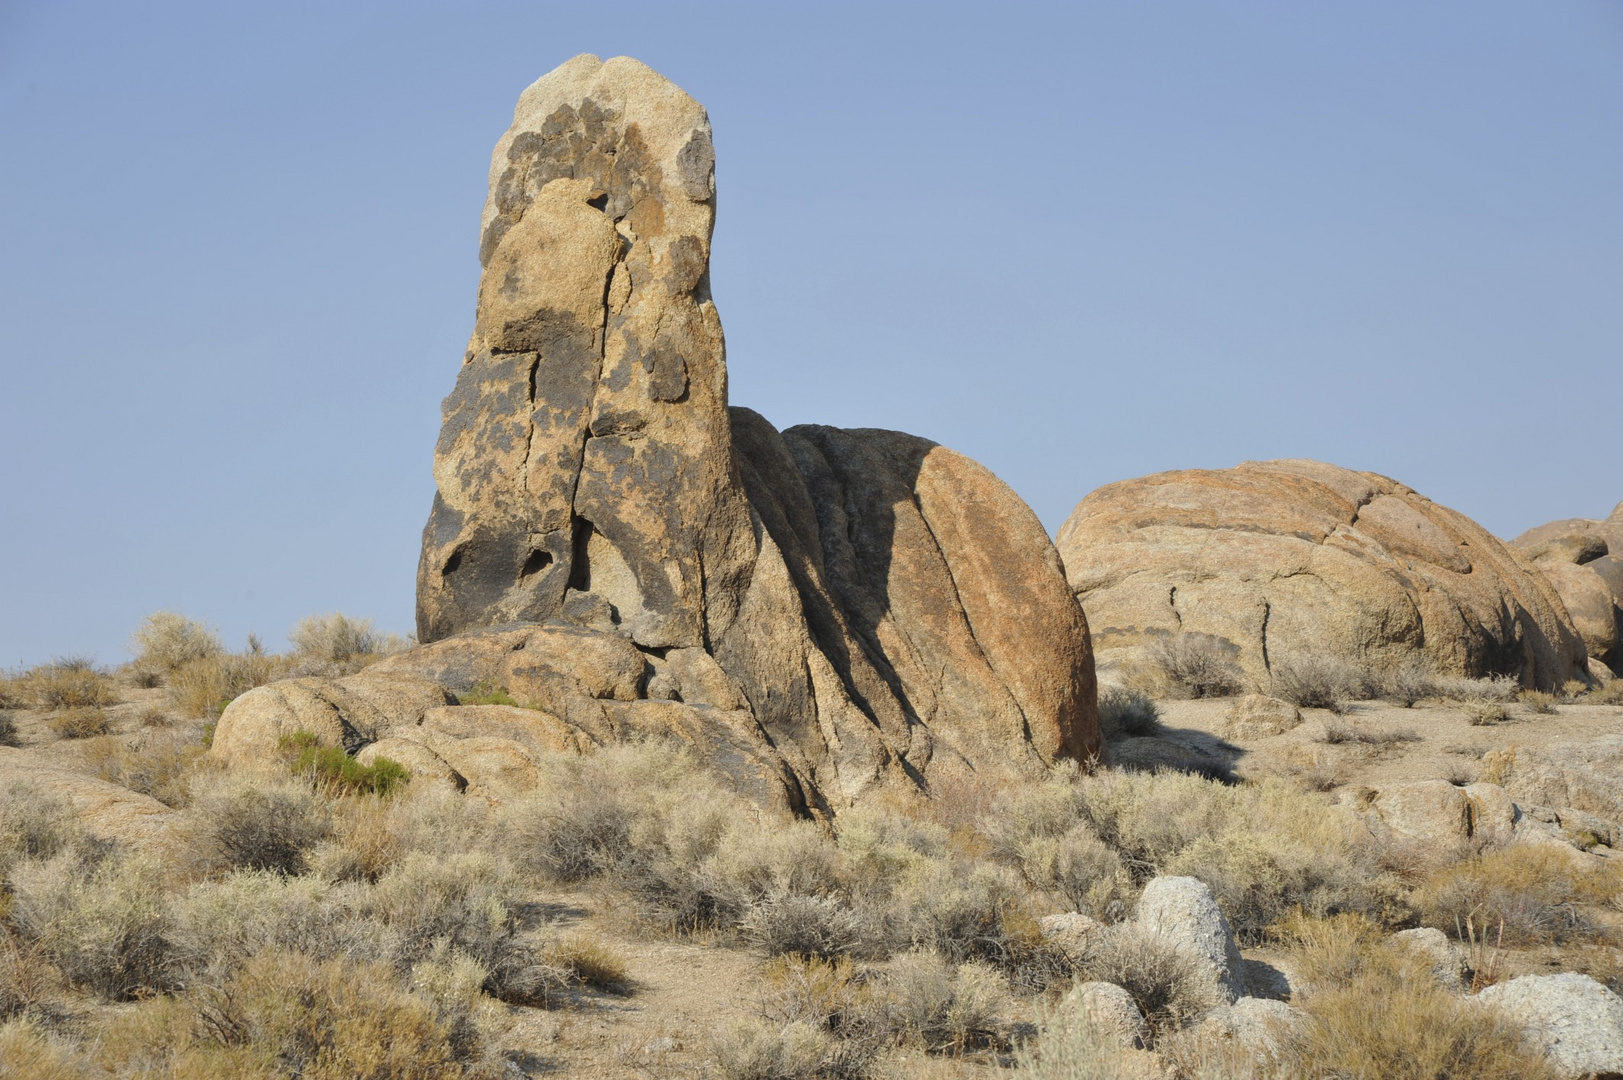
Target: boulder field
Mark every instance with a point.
(821, 613)
(1583, 559)
(1282, 560)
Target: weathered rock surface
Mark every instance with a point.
(1576, 1021)
(349, 712)
(1440, 815)
(1256, 716)
(1072, 931)
(106, 811)
(820, 613)
(1110, 1009)
(1447, 960)
(1254, 1023)
(1583, 559)
(1182, 910)
(1287, 559)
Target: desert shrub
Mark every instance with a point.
(1316, 681)
(1126, 712)
(1537, 701)
(1374, 1010)
(319, 1020)
(1198, 665)
(468, 900)
(8, 731)
(954, 907)
(102, 923)
(35, 824)
(68, 683)
(338, 640)
(27, 1049)
(802, 925)
(167, 640)
(1168, 986)
(365, 840)
(1071, 1045)
(26, 979)
(588, 961)
(1537, 892)
(1488, 688)
(1483, 713)
(1262, 848)
(1405, 683)
(1608, 693)
(84, 722)
(205, 686)
(1076, 866)
(483, 693)
(251, 828)
(1338, 731)
(335, 772)
(216, 926)
(159, 763)
(452, 984)
(925, 1001)
(13, 690)
(756, 1049)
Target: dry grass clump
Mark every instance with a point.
(85, 722)
(1481, 712)
(1126, 712)
(1318, 681)
(1072, 1045)
(1169, 987)
(70, 682)
(27, 1049)
(167, 640)
(1374, 1010)
(1263, 849)
(1538, 893)
(1608, 693)
(159, 762)
(204, 687)
(1338, 731)
(588, 961)
(338, 644)
(1537, 701)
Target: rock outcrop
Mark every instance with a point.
(819, 612)
(1291, 559)
(1183, 911)
(1576, 1021)
(1583, 558)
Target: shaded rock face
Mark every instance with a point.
(818, 613)
(1583, 560)
(1286, 559)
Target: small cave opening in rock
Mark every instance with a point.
(536, 562)
(580, 563)
(452, 563)
(599, 202)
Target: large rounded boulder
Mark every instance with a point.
(1288, 559)
(1583, 560)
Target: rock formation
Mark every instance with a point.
(1286, 559)
(818, 612)
(1583, 559)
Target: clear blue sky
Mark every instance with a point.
(1079, 243)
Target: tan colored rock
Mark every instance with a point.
(1447, 959)
(1493, 814)
(1257, 716)
(1288, 559)
(833, 613)
(1072, 931)
(1110, 1010)
(107, 811)
(428, 769)
(348, 712)
(585, 458)
(1583, 558)
(1433, 811)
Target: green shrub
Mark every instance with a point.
(331, 768)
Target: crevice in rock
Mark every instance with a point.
(1267, 610)
(580, 563)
